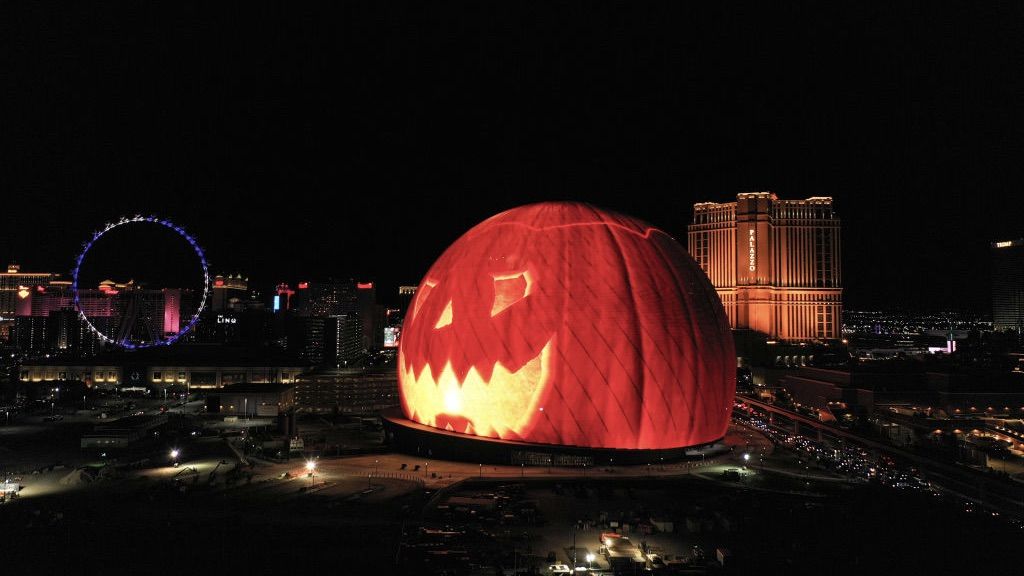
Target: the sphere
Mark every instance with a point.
(562, 323)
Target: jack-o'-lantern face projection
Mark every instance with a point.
(561, 323)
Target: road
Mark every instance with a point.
(959, 480)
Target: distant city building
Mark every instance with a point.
(330, 298)
(405, 296)
(30, 334)
(372, 316)
(60, 331)
(123, 432)
(139, 312)
(185, 365)
(172, 311)
(956, 393)
(347, 391)
(15, 285)
(95, 303)
(228, 292)
(331, 322)
(775, 263)
(1008, 285)
(900, 323)
(248, 326)
(283, 298)
(306, 338)
(117, 310)
(252, 399)
(300, 299)
(343, 339)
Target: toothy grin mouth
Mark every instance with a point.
(498, 407)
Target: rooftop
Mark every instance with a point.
(248, 388)
(186, 355)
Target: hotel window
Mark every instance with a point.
(181, 376)
(24, 374)
(823, 257)
(112, 376)
(156, 376)
(62, 376)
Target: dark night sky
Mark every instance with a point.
(361, 141)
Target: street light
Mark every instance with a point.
(481, 470)
(174, 456)
(311, 468)
(590, 560)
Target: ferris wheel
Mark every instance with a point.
(131, 315)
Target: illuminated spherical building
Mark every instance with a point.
(564, 326)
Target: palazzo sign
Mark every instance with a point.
(753, 251)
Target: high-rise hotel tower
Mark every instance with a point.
(1008, 285)
(775, 263)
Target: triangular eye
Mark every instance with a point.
(509, 289)
(446, 317)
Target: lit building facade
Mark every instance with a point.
(60, 331)
(372, 316)
(347, 391)
(228, 292)
(195, 366)
(172, 311)
(775, 263)
(329, 298)
(47, 320)
(244, 399)
(45, 300)
(343, 339)
(1008, 285)
(15, 286)
(306, 339)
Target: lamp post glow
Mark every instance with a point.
(174, 456)
(590, 560)
(311, 469)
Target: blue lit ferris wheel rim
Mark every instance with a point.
(152, 220)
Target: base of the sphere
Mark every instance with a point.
(414, 438)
